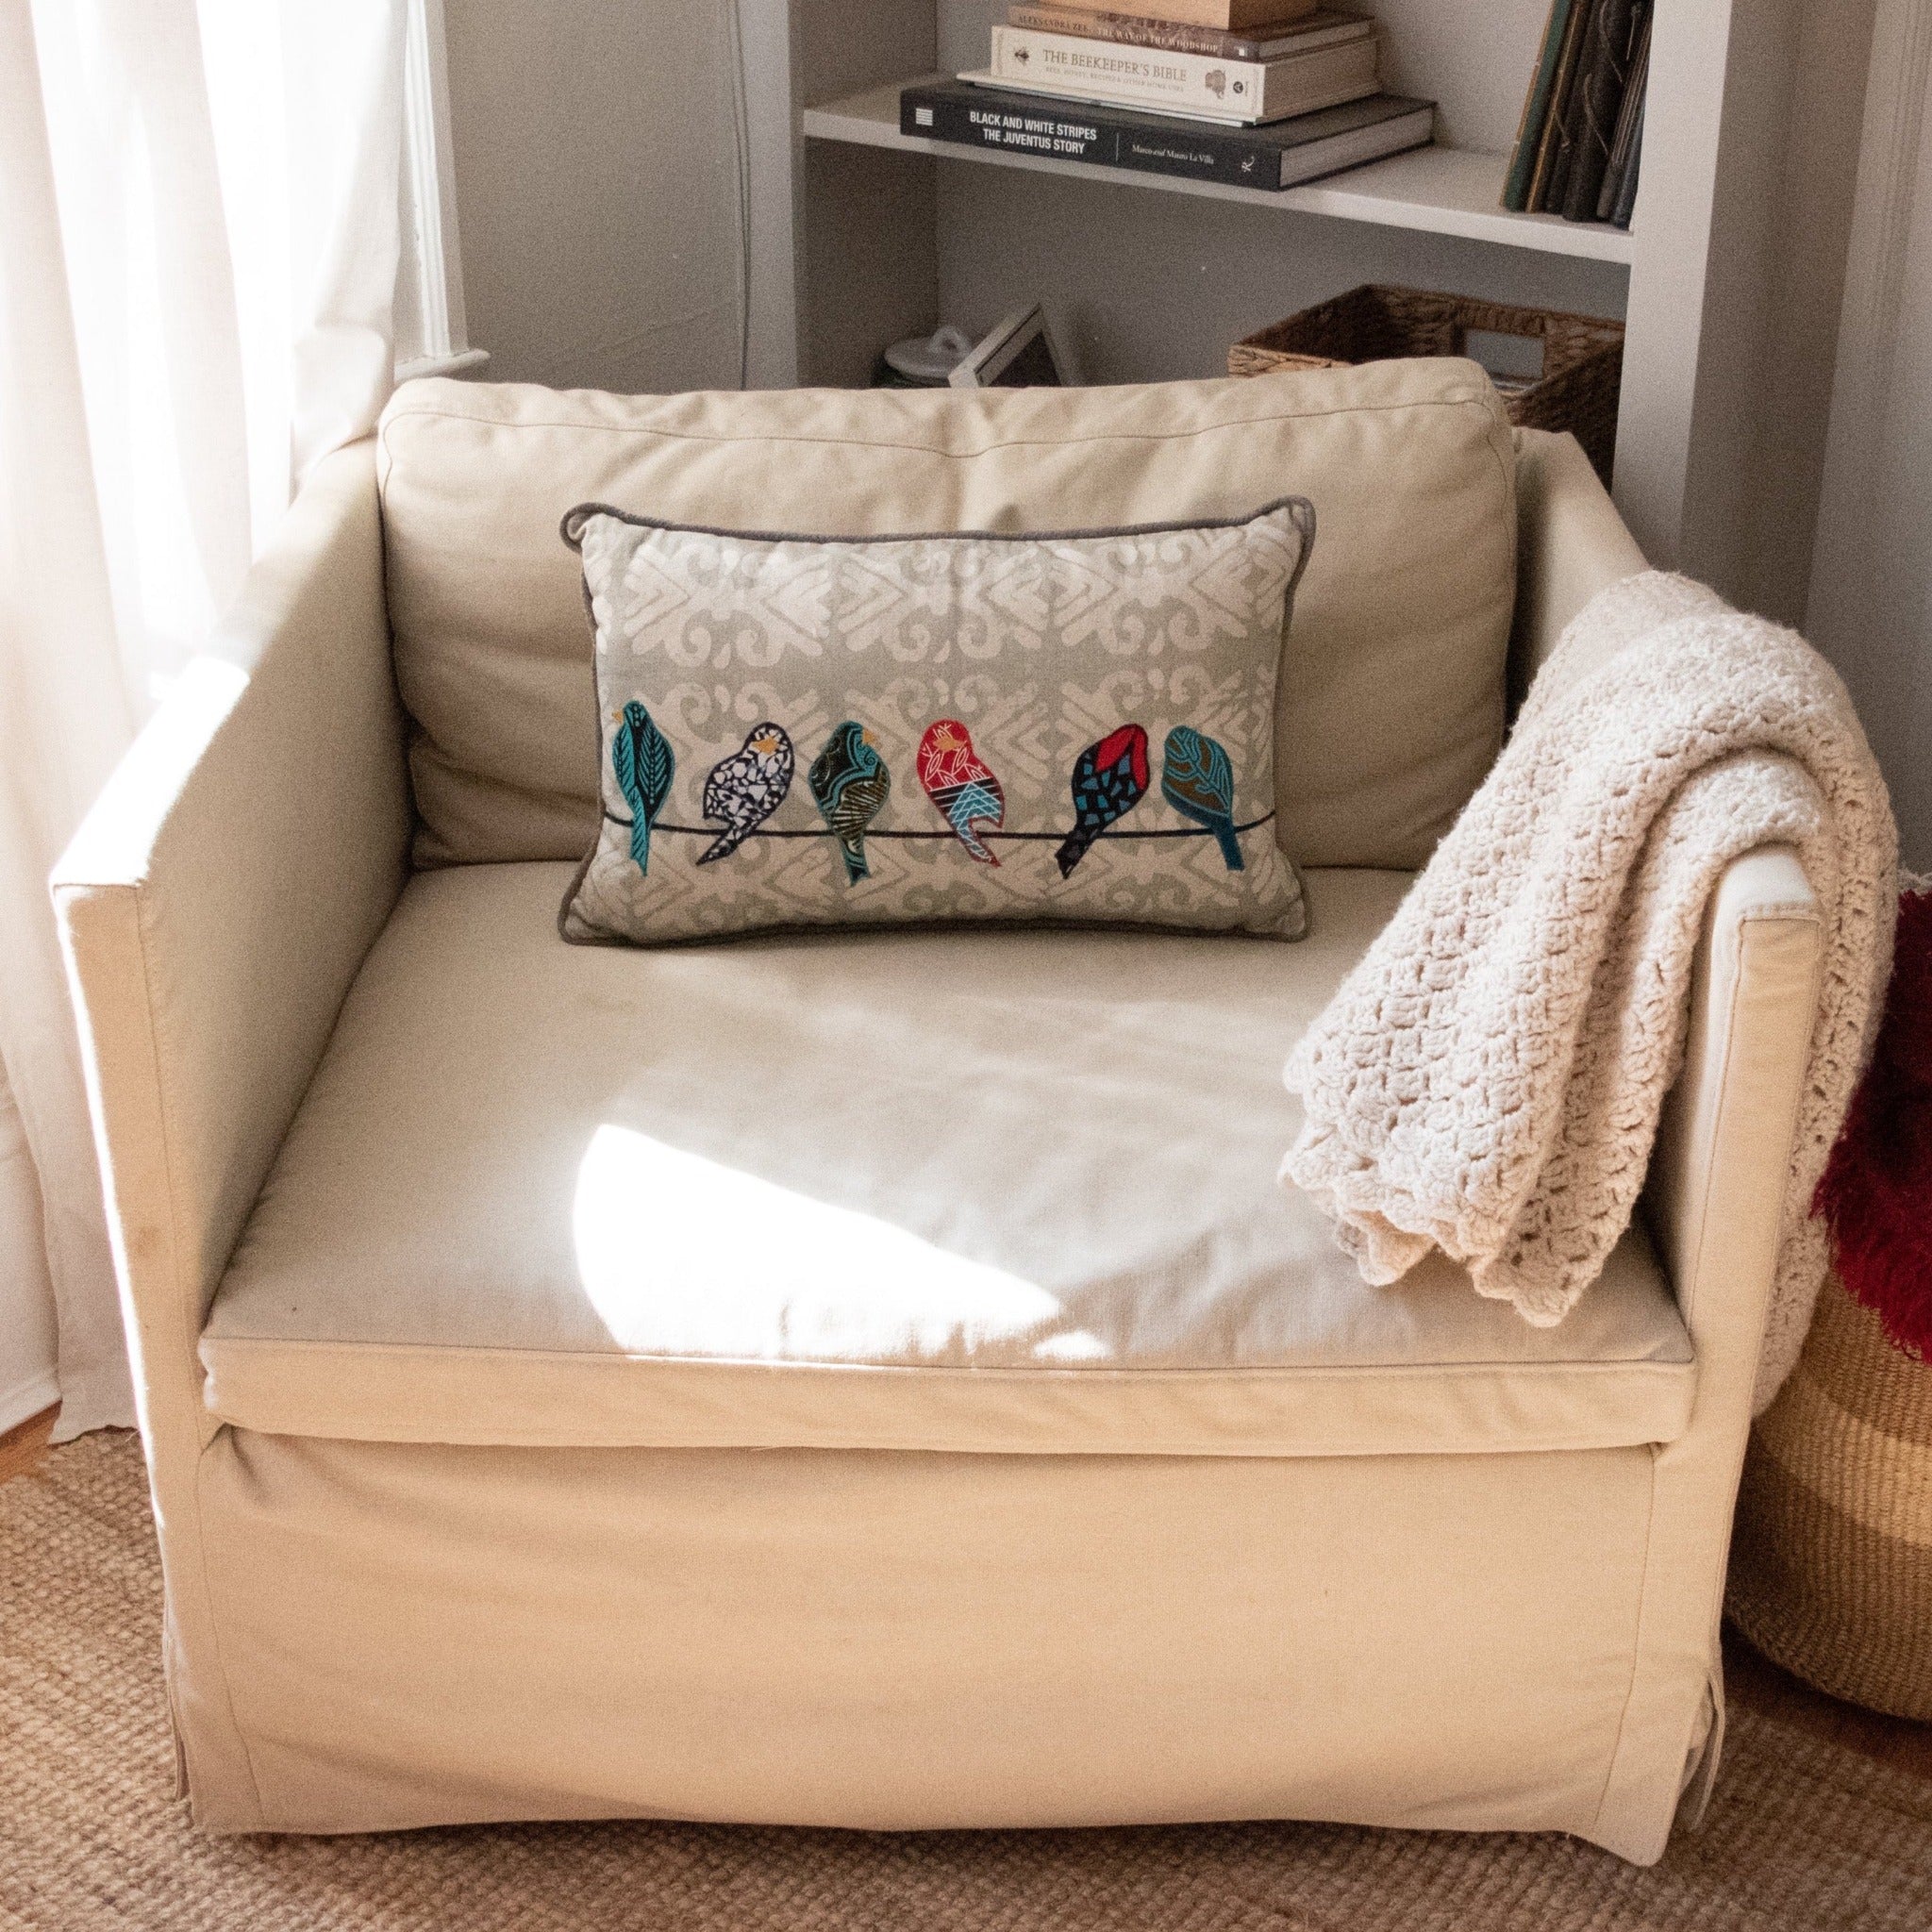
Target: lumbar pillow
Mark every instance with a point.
(804, 731)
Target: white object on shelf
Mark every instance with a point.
(432, 330)
(930, 360)
(1440, 191)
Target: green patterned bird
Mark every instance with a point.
(643, 762)
(849, 781)
(1197, 779)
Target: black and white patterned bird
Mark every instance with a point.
(744, 789)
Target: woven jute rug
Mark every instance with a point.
(1802, 1832)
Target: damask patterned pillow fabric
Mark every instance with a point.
(810, 731)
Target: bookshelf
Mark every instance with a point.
(860, 235)
(1438, 190)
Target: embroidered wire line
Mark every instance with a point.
(872, 832)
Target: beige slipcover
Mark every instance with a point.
(1431, 1615)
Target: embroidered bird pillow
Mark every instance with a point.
(805, 730)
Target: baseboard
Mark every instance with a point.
(26, 1399)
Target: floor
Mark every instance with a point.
(20, 1448)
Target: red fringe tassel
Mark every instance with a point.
(1876, 1194)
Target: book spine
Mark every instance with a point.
(1187, 84)
(1606, 72)
(1223, 16)
(1124, 30)
(1625, 203)
(1552, 162)
(1627, 116)
(1058, 133)
(1535, 110)
(1176, 37)
(1142, 77)
(1211, 155)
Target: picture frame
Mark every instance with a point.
(1020, 351)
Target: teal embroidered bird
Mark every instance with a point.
(850, 782)
(1198, 781)
(643, 761)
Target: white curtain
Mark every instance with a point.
(1871, 599)
(198, 254)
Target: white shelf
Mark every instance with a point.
(1439, 191)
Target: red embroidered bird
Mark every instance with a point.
(958, 781)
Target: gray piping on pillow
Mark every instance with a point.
(1301, 513)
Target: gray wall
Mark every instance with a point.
(1148, 286)
(1870, 602)
(1778, 252)
(596, 189)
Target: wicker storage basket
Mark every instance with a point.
(1831, 1566)
(1583, 355)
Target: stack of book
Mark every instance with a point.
(1262, 93)
(1581, 137)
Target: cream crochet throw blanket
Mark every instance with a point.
(1488, 1080)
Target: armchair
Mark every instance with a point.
(448, 1536)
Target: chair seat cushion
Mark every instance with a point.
(968, 1189)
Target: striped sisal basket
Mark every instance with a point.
(1831, 1567)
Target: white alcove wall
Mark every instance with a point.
(1154, 286)
(862, 234)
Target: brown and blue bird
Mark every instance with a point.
(962, 784)
(1110, 780)
(744, 789)
(1197, 779)
(850, 783)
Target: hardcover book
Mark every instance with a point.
(1535, 110)
(1192, 84)
(1553, 157)
(1227, 16)
(974, 112)
(1324, 27)
(1623, 142)
(1604, 72)
(1624, 206)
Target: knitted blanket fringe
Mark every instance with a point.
(1489, 1079)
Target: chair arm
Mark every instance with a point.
(219, 898)
(1570, 543)
(1717, 1180)
(1714, 1201)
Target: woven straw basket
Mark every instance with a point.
(1831, 1568)
(1583, 355)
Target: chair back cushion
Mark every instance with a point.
(1391, 701)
